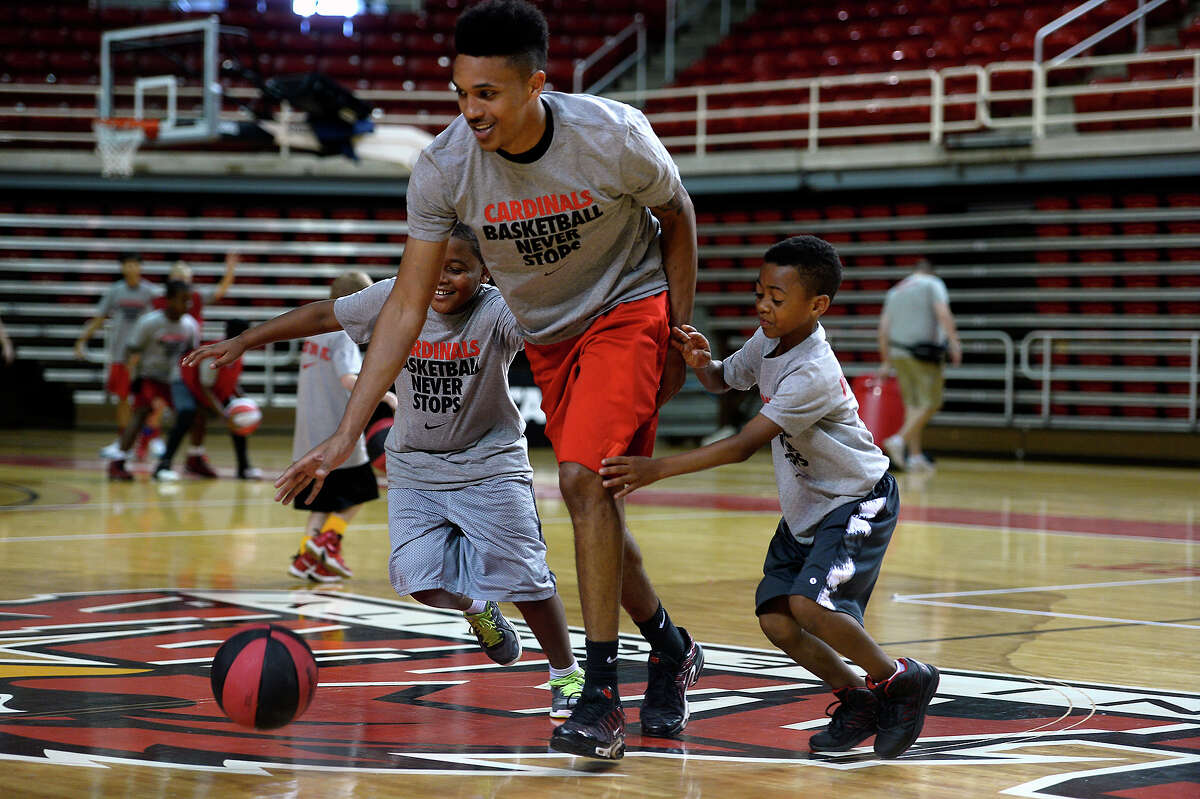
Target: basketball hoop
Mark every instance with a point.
(117, 142)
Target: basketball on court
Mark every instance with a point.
(264, 676)
(244, 415)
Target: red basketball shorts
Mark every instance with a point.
(599, 388)
(147, 391)
(118, 380)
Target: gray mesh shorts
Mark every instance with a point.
(483, 541)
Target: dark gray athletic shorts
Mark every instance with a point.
(837, 564)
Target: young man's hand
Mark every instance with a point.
(692, 345)
(225, 352)
(628, 473)
(313, 467)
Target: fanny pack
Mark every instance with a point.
(930, 353)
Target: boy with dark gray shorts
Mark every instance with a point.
(839, 504)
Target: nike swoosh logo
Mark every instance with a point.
(429, 426)
(306, 365)
(612, 659)
(662, 623)
(552, 271)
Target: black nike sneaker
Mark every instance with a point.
(903, 701)
(665, 708)
(854, 719)
(596, 727)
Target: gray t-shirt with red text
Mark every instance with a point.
(125, 305)
(568, 236)
(825, 456)
(455, 422)
(320, 396)
(161, 343)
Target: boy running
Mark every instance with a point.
(329, 366)
(839, 503)
(159, 339)
(126, 301)
(464, 525)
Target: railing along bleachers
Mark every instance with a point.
(1127, 264)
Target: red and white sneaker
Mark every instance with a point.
(327, 545)
(304, 563)
(199, 466)
(323, 575)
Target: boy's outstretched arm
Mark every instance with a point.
(307, 320)
(627, 473)
(397, 327)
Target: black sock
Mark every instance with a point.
(662, 634)
(239, 449)
(600, 669)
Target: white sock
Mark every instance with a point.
(477, 606)
(563, 672)
(195, 451)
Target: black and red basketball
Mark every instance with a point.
(264, 676)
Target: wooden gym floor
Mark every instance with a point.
(1060, 601)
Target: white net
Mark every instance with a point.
(117, 144)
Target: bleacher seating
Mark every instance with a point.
(790, 39)
(60, 42)
(1120, 261)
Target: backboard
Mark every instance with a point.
(166, 72)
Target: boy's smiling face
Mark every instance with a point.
(787, 309)
(461, 275)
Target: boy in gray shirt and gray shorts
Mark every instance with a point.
(464, 525)
(839, 503)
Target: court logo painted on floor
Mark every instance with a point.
(123, 677)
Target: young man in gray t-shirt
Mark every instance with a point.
(840, 504)
(590, 237)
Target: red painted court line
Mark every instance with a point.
(1084, 525)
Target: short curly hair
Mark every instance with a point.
(510, 28)
(815, 259)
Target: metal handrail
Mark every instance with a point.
(1138, 15)
(973, 341)
(636, 28)
(756, 101)
(1047, 371)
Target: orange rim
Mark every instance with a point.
(148, 126)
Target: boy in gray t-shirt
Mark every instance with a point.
(125, 301)
(839, 503)
(464, 525)
(329, 366)
(158, 341)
